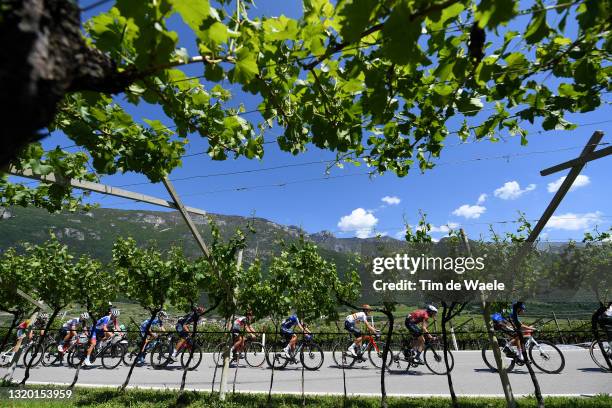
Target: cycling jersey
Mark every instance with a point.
(357, 317)
(497, 318)
(155, 322)
(76, 322)
(191, 317)
(290, 322)
(241, 322)
(38, 324)
(418, 316)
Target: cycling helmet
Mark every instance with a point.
(519, 306)
(431, 309)
(200, 309)
(84, 316)
(365, 306)
(115, 312)
(43, 316)
(162, 315)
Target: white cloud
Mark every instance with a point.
(444, 228)
(391, 200)
(470, 211)
(580, 181)
(574, 222)
(400, 234)
(511, 190)
(360, 221)
(482, 198)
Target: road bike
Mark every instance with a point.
(254, 353)
(597, 353)
(310, 354)
(546, 356)
(161, 354)
(369, 344)
(109, 351)
(52, 355)
(433, 356)
(133, 350)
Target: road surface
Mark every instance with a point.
(470, 376)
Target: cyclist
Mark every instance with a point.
(69, 330)
(604, 318)
(517, 309)
(349, 325)
(149, 334)
(27, 327)
(420, 316)
(242, 324)
(100, 331)
(183, 327)
(286, 331)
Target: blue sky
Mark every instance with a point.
(473, 184)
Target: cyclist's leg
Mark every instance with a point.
(356, 333)
(183, 334)
(21, 334)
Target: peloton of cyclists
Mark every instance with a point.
(101, 331)
(286, 331)
(420, 316)
(350, 326)
(69, 330)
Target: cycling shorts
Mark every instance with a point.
(181, 332)
(413, 328)
(286, 333)
(350, 327)
(97, 334)
(236, 331)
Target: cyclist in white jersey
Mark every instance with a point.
(350, 322)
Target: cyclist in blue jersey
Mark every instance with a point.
(183, 327)
(100, 331)
(69, 329)
(148, 335)
(286, 331)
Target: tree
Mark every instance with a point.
(299, 280)
(94, 290)
(54, 272)
(377, 81)
(14, 274)
(147, 276)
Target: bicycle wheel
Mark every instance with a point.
(76, 356)
(311, 356)
(195, 360)
(255, 354)
(547, 357)
(32, 356)
(489, 359)
(376, 357)
(160, 355)
(275, 358)
(6, 357)
(220, 350)
(51, 355)
(341, 356)
(131, 354)
(434, 360)
(112, 355)
(597, 354)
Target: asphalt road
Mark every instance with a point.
(470, 376)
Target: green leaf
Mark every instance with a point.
(356, 15)
(193, 12)
(437, 21)
(246, 66)
(537, 28)
(401, 34)
(491, 13)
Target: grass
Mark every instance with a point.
(111, 398)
